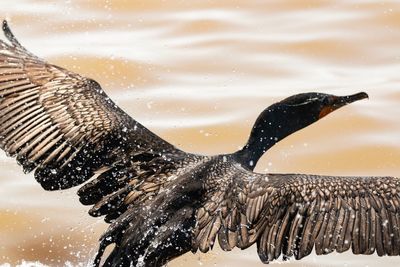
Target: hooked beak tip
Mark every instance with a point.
(344, 100)
(361, 95)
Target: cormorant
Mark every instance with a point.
(162, 202)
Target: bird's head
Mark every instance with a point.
(290, 115)
(304, 109)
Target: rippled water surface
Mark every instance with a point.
(198, 73)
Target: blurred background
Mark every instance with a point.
(198, 73)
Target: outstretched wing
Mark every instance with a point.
(290, 214)
(64, 127)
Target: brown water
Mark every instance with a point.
(198, 73)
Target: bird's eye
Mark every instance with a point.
(326, 101)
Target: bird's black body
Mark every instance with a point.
(162, 202)
(161, 229)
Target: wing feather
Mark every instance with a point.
(290, 214)
(64, 126)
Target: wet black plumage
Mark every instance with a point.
(162, 202)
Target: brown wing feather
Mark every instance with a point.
(65, 127)
(290, 214)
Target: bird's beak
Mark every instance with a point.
(340, 101)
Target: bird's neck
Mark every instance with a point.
(273, 124)
(258, 143)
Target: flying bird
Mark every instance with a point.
(162, 202)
